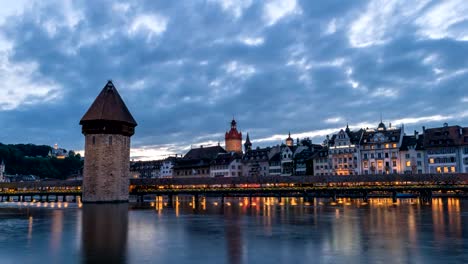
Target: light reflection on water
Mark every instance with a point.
(240, 230)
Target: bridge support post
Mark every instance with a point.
(1, 198)
(196, 201)
(20, 198)
(170, 198)
(56, 198)
(365, 196)
(394, 196)
(333, 196)
(250, 200)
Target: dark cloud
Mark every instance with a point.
(185, 68)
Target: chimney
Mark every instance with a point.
(461, 131)
(390, 125)
(201, 146)
(424, 129)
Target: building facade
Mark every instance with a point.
(344, 151)
(379, 150)
(445, 148)
(227, 165)
(197, 162)
(412, 154)
(256, 163)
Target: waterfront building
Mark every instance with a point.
(445, 148)
(287, 164)
(412, 154)
(256, 162)
(145, 169)
(274, 161)
(321, 163)
(167, 165)
(379, 150)
(233, 139)
(227, 165)
(197, 162)
(463, 150)
(303, 164)
(107, 126)
(344, 152)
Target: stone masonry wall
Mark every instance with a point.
(106, 173)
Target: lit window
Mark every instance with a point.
(431, 160)
(439, 170)
(387, 145)
(452, 169)
(394, 145)
(446, 169)
(380, 163)
(408, 163)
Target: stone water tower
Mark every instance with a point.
(107, 126)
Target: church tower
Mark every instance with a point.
(233, 139)
(247, 144)
(107, 126)
(289, 140)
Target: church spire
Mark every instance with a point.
(247, 144)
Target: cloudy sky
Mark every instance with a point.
(184, 68)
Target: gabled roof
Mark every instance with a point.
(444, 136)
(204, 153)
(226, 158)
(412, 142)
(109, 106)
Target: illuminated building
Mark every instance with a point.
(379, 149)
(197, 162)
(447, 149)
(321, 163)
(289, 140)
(255, 162)
(227, 165)
(233, 139)
(412, 154)
(344, 152)
(57, 152)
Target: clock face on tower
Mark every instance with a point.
(379, 137)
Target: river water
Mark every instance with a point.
(261, 230)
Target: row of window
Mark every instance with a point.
(379, 146)
(379, 155)
(442, 160)
(441, 151)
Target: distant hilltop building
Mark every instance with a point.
(107, 126)
(58, 153)
(233, 139)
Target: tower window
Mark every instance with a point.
(94, 140)
(110, 140)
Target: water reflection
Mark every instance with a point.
(237, 230)
(104, 233)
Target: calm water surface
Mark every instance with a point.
(263, 231)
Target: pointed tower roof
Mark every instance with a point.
(247, 139)
(109, 106)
